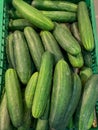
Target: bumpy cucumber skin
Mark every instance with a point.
(85, 28)
(50, 44)
(35, 45)
(66, 40)
(55, 5)
(5, 123)
(61, 94)
(43, 87)
(30, 90)
(33, 15)
(22, 57)
(14, 97)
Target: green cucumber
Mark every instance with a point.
(85, 73)
(51, 44)
(44, 83)
(45, 115)
(61, 93)
(76, 61)
(70, 124)
(90, 121)
(5, 123)
(19, 24)
(30, 90)
(13, 15)
(75, 31)
(35, 45)
(14, 97)
(22, 57)
(33, 15)
(60, 16)
(42, 125)
(77, 87)
(55, 5)
(26, 120)
(10, 50)
(88, 101)
(66, 40)
(85, 28)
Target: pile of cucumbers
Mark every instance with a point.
(49, 82)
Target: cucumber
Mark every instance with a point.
(76, 61)
(35, 45)
(90, 120)
(88, 102)
(5, 123)
(50, 44)
(26, 120)
(66, 40)
(22, 57)
(14, 97)
(75, 31)
(61, 94)
(12, 14)
(77, 87)
(45, 115)
(10, 50)
(33, 15)
(30, 90)
(19, 24)
(85, 28)
(55, 5)
(60, 16)
(42, 125)
(85, 73)
(95, 124)
(44, 83)
(70, 124)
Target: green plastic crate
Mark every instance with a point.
(4, 31)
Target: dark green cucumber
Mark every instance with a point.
(75, 31)
(35, 45)
(85, 28)
(33, 15)
(14, 97)
(70, 124)
(19, 24)
(60, 16)
(77, 87)
(42, 125)
(10, 50)
(76, 61)
(55, 5)
(88, 58)
(66, 40)
(5, 123)
(43, 87)
(45, 115)
(30, 90)
(85, 73)
(51, 44)
(61, 94)
(26, 120)
(22, 57)
(89, 98)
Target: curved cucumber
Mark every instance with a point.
(22, 57)
(66, 40)
(35, 45)
(33, 15)
(14, 97)
(61, 94)
(43, 87)
(30, 90)
(50, 44)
